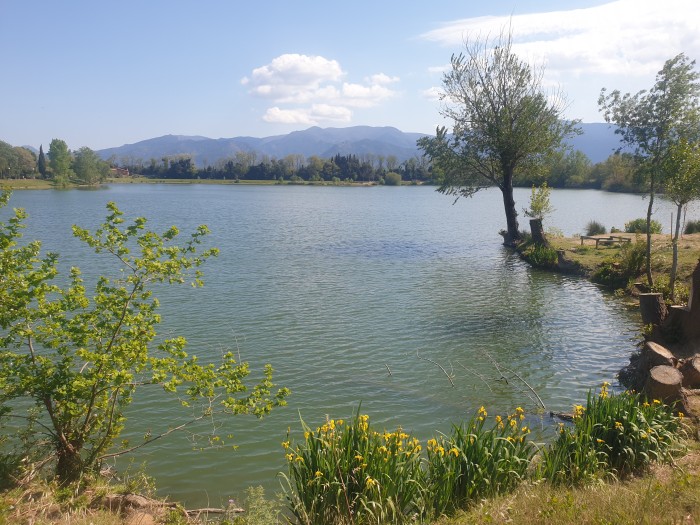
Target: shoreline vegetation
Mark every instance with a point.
(670, 486)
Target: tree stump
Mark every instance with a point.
(691, 372)
(664, 383)
(652, 308)
(653, 354)
(537, 231)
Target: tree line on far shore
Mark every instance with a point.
(563, 169)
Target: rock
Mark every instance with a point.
(664, 383)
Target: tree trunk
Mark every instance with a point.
(664, 383)
(70, 465)
(513, 233)
(674, 264)
(538, 237)
(650, 208)
(652, 308)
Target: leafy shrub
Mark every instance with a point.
(662, 285)
(627, 264)
(640, 226)
(348, 473)
(392, 179)
(595, 228)
(618, 434)
(474, 463)
(692, 227)
(539, 255)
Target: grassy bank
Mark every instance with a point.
(619, 266)
(667, 494)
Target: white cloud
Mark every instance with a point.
(309, 116)
(432, 94)
(313, 85)
(629, 37)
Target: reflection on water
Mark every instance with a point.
(354, 295)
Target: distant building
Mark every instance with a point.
(118, 172)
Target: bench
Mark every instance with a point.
(606, 241)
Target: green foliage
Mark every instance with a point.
(541, 255)
(692, 227)
(504, 127)
(640, 226)
(595, 228)
(81, 356)
(618, 434)
(627, 264)
(16, 162)
(60, 160)
(258, 510)
(392, 179)
(662, 285)
(88, 167)
(345, 472)
(475, 462)
(540, 206)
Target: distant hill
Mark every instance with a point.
(598, 141)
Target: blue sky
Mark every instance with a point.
(103, 74)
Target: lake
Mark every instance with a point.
(366, 296)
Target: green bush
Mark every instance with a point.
(595, 228)
(474, 463)
(392, 179)
(692, 227)
(348, 473)
(542, 256)
(616, 435)
(640, 226)
(662, 285)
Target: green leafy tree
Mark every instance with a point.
(540, 206)
(652, 121)
(76, 359)
(89, 168)
(681, 170)
(504, 124)
(41, 163)
(60, 160)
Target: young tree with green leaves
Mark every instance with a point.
(504, 124)
(60, 161)
(72, 359)
(652, 121)
(681, 173)
(89, 168)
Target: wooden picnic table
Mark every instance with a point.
(606, 240)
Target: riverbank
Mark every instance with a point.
(667, 494)
(610, 264)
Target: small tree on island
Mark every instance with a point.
(539, 208)
(70, 364)
(505, 125)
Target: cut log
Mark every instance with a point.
(652, 308)
(653, 354)
(691, 372)
(537, 232)
(664, 383)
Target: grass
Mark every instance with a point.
(667, 494)
(590, 258)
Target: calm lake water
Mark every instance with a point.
(348, 292)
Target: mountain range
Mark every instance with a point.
(597, 141)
